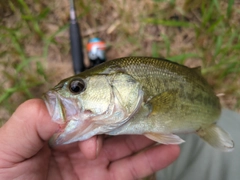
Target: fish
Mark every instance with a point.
(154, 97)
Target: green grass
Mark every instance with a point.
(216, 44)
(22, 73)
(33, 33)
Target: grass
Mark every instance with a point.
(34, 47)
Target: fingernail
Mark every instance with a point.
(97, 148)
(98, 144)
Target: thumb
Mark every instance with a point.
(26, 132)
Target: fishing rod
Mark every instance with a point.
(95, 47)
(76, 41)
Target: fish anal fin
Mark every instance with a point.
(217, 137)
(164, 138)
(162, 103)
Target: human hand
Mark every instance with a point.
(25, 154)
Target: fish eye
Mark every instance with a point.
(77, 86)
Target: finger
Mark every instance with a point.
(25, 132)
(91, 147)
(145, 163)
(120, 146)
(66, 148)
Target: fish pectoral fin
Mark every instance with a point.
(162, 103)
(217, 138)
(164, 138)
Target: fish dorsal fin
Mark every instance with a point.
(198, 70)
(162, 103)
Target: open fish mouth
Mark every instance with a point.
(66, 113)
(60, 109)
(54, 107)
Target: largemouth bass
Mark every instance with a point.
(137, 95)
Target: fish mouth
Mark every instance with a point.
(65, 112)
(60, 109)
(54, 107)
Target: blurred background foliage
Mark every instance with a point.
(35, 50)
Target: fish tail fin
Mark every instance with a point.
(217, 138)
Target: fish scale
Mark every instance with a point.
(141, 95)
